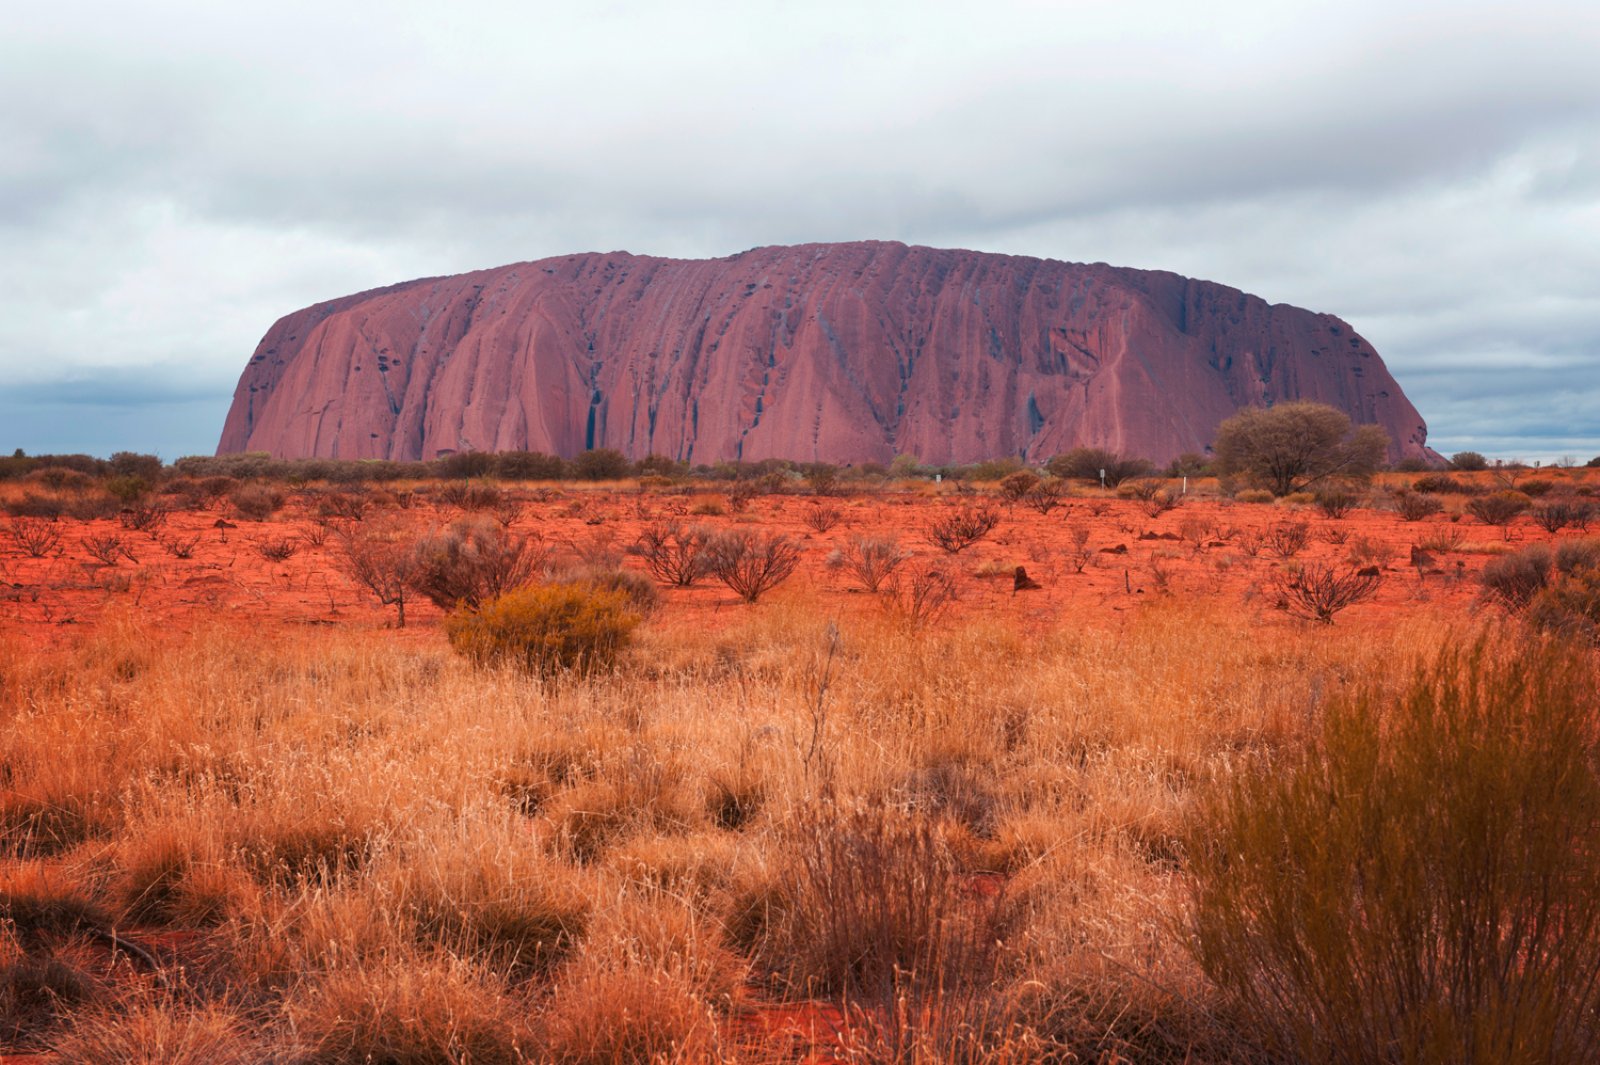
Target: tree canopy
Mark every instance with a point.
(1292, 446)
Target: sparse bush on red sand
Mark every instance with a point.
(473, 560)
(752, 564)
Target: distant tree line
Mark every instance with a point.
(1285, 448)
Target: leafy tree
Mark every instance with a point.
(1468, 460)
(1293, 446)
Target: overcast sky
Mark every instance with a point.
(175, 176)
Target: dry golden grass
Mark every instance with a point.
(369, 847)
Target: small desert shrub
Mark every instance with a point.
(1287, 539)
(709, 507)
(919, 596)
(871, 559)
(468, 495)
(256, 502)
(1443, 484)
(35, 537)
(1254, 495)
(1414, 506)
(1571, 605)
(1537, 488)
(343, 506)
(674, 554)
(1014, 487)
(752, 563)
(962, 528)
(472, 561)
(1500, 508)
(1516, 578)
(545, 628)
(822, 517)
(380, 559)
(108, 549)
(1317, 592)
(1557, 514)
(1046, 495)
(279, 550)
(1420, 884)
(143, 515)
(1299, 499)
(1335, 503)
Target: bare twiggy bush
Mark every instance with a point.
(470, 495)
(919, 596)
(872, 559)
(472, 561)
(674, 554)
(181, 546)
(1287, 539)
(1251, 541)
(822, 516)
(143, 515)
(1046, 495)
(34, 537)
(1153, 498)
(1370, 551)
(960, 529)
(1080, 554)
(281, 549)
(1318, 592)
(108, 549)
(1415, 506)
(752, 563)
(1556, 514)
(1443, 539)
(1422, 877)
(380, 559)
(343, 506)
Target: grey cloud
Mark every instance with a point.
(172, 178)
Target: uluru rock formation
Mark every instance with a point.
(820, 352)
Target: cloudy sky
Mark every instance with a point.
(175, 176)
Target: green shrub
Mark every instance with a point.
(1421, 884)
(547, 628)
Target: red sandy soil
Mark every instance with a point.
(1135, 556)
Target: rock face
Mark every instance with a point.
(824, 352)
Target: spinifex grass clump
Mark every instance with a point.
(546, 628)
(1422, 883)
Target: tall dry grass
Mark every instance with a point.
(360, 848)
